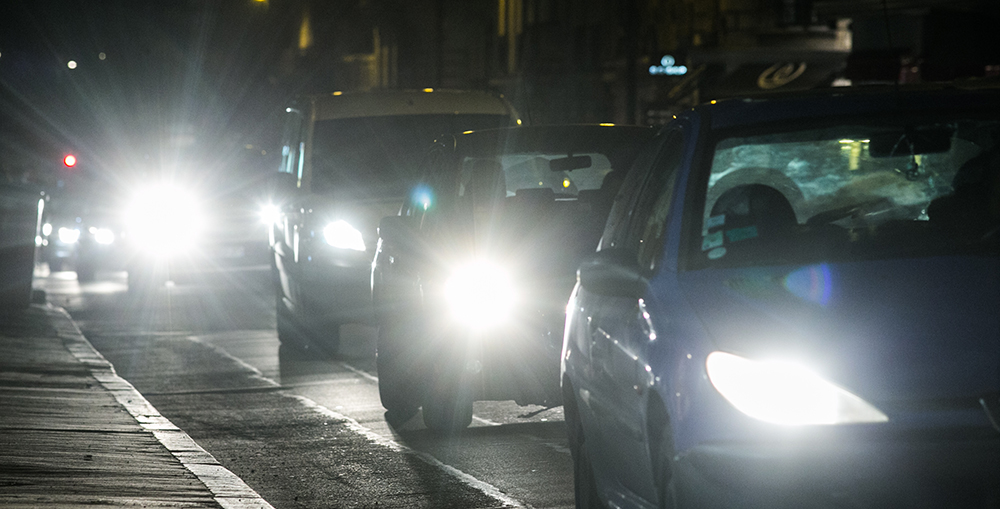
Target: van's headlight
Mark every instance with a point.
(164, 219)
(342, 235)
(480, 294)
(785, 393)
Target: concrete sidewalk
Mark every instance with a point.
(73, 433)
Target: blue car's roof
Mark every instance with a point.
(832, 103)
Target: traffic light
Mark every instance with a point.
(69, 160)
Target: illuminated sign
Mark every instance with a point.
(667, 67)
(780, 74)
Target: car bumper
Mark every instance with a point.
(917, 473)
(337, 294)
(518, 361)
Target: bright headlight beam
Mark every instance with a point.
(480, 294)
(785, 393)
(68, 235)
(164, 219)
(104, 236)
(269, 214)
(340, 234)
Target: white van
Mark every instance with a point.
(348, 159)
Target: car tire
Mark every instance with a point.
(397, 378)
(448, 411)
(584, 486)
(289, 332)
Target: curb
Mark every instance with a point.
(228, 490)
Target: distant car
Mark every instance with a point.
(348, 160)
(83, 235)
(470, 282)
(795, 304)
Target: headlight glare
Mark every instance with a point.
(480, 294)
(103, 236)
(164, 219)
(785, 393)
(269, 214)
(340, 234)
(68, 235)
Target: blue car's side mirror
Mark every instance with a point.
(613, 273)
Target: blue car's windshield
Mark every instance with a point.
(853, 192)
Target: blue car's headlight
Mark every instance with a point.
(480, 294)
(785, 393)
(342, 235)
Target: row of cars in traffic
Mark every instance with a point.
(769, 302)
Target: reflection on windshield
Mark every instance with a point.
(534, 171)
(853, 192)
(380, 156)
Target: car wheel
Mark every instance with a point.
(289, 332)
(397, 380)
(584, 485)
(448, 411)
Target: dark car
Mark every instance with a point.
(82, 234)
(470, 282)
(795, 304)
(348, 160)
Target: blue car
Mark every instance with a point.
(796, 303)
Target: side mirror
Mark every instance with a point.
(613, 273)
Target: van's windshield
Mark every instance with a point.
(380, 156)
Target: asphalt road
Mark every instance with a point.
(306, 429)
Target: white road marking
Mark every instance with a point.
(228, 490)
(485, 487)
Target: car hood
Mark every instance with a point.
(899, 330)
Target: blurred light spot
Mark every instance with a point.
(249, 146)
(566, 183)
(428, 90)
(338, 93)
(102, 56)
(518, 121)
(305, 33)
(606, 124)
(813, 283)
(466, 132)
(423, 196)
(71, 64)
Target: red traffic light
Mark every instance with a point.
(69, 160)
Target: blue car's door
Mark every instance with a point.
(621, 330)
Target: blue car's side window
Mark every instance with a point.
(647, 224)
(616, 227)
